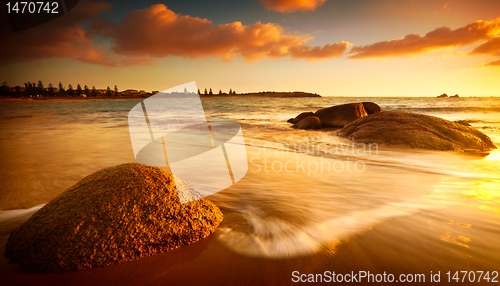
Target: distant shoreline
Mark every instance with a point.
(263, 94)
(273, 94)
(63, 99)
(245, 95)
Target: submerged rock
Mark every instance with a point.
(310, 122)
(111, 216)
(413, 130)
(340, 115)
(300, 117)
(371, 107)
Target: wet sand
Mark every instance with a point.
(414, 244)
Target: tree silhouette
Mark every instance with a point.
(78, 90)
(86, 90)
(108, 91)
(220, 91)
(230, 91)
(70, 90)
(199, 93)
(210, 92)
(94, 91)
(29, 88)
(61, 88)
(40, 88)
(206, 91)
(4, 88)
(51, 89)
(116, 90)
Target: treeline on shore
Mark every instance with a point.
(220, 93)
(39, 91)
(258, 94)
(281, 94)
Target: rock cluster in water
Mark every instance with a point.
(413, 130)
(113, 215)
(444, 95)
(334, 116)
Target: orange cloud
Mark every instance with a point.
(493, 64)
(489, 47)
(288, 6)
(316, 53)
(446, 6)
(158, 32)
(59, 38)
(440, 38)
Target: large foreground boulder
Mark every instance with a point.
(340, 115)
(310, 122)
(114, 215)
(413, 130)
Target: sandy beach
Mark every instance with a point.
(391, 247)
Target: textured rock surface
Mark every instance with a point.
(310, 122)
(371, 108)
(415, 130)
(340, 115)
(113, 215)
(300, 117)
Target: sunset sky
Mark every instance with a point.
(330, 47)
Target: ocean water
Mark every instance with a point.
(310, 199)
